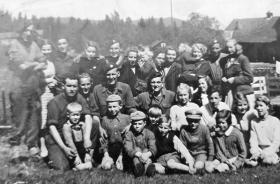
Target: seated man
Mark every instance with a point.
(59, 153)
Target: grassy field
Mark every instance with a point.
(29, 171)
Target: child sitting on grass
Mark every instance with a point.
(170, 149)
(73, 131)
(196, 137)
(177, 112)
(229, 144)
(140, 145)
(154, 114)
(114, 123)
(265, 135)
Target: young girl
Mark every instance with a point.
(229, 144)
(237, 74)
(200, 97)
(265, 134)
(177, 112)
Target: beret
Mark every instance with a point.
(137, 115)
(109, 66)
(193, 114)
(113, 98)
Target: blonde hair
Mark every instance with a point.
(74, 107)
(201, 47)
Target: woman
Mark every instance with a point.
(91, 63)
(200, 97)
(237, 74)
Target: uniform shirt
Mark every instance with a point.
(177, 115)
(165, 100)
(198, 141)
(144, 140)
(101, 92)
(114, 128)
(57, 111)
(230, 145)
(265, 133)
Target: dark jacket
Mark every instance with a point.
(172, 76)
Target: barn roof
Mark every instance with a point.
(254, 29)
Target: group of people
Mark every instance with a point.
(145, 111)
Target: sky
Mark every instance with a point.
(223, 10)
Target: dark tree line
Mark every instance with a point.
(197, 28)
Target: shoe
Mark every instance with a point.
(15, 141)
(139, 170)
(151, 170)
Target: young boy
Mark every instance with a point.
(114, 123)
(229, 143)
(154, 114)
(196, 137)
(265, 135)
(140, 145)
(170, 148)
(177, 112)
(73, 131)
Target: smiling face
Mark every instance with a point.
(90, 52)
(156, 84)
(262, 109)
(159, 59)
(74, 116)
(170, 55)
(183, 96)
(197, 54)
(112, 76)
(85, 85)
(242, 107)
(62, 45)
(132, 57)
(231, 47)
(215, 99)
(115, 49)
(138, 125)
(222, 125)
(71, 87)
(164, 128)
(113, 108)
(193, 123)
(46, 49)
(202, 84)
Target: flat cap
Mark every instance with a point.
(193, 114)
(137, 115)
(113, 98)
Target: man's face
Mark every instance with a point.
(115, 50)
(171, 55)
(74, 117)
(262, 108)
(46, 49)
(215, 99)
(193, 123)
(216, 49)
(156, 84)
(71, 87)
(85, 85)
(112, 76)
(164, 128)
(132, 58)
(90, 52)
(138, 126)
(62, 45)
(27, 33)
(113, 108)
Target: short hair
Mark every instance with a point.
(74, 107)
(92, 44)
(154, 75)
(84, 75)
(165, 119)
(158, 51)
(47, 42)
(183, 86)
(155, 110)
(240, 97)
(264, 99)
(225, 115)
(201, 47)
(170, 48)
(214, 90)
(69, 76)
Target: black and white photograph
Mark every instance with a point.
(139, 91)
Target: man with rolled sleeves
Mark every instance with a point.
(109, 87)
(59, 153)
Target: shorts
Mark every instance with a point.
(163, 159)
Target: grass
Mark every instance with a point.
(30, 171)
